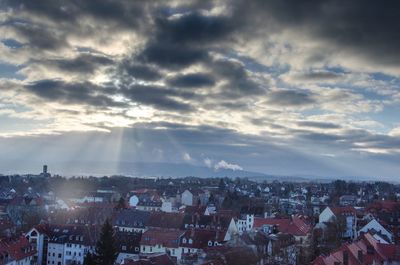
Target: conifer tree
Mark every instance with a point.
(90, 259)
(106, 251)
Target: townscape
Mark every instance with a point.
(49, 219)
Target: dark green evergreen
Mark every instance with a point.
(90, 259)
(106, 251)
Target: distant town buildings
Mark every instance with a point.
(57, 221)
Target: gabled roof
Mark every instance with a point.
(296, 226)
(367, 248)
(343, 210)
(201, 237)
(77, 234)
(166, 237)
(165, 220)
(16, 248)
(132, 218)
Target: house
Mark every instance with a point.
(194, 240)
(17, 251)
(165, 220)
(148, 205)
(187, 198)
(374, 227)
(366, 251)
(388, 213)
(245, 223)
(128, 245)
(162, 240)
(194, 197)
(348, 200)
(347, 214)
(297, 226)
(131, 220)
(62, 244)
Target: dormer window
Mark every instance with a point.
(184, 240)
(210, 243)
(190, 241)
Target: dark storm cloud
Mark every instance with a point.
(159, 97)
(172, 55)
(367, 27)
(350, 139)
(125, 13)
(194, 28)
(185, 40)
(239, 81)
(289, 98)
(72, 93)
(191, 80)
(83, 63)
(38, 37)
(141, 72)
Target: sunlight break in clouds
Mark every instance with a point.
(263, 79)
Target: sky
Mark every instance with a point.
(305, 87)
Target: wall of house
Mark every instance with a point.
(55, 254)
(74, 253)
(187, 198)
(326, 216)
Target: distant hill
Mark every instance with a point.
(142, 169)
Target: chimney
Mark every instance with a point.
(360, 256)
(345, 258)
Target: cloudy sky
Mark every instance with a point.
(274, 86)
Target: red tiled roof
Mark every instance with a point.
(296, 226)
(383, 206)
(344, 210)
(380, 253)
(166, 237)
(17, 248)
(165, 220)
(201, 237)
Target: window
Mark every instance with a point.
(123, 247)
(190, 241)
(59, 255)
(151, 249)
